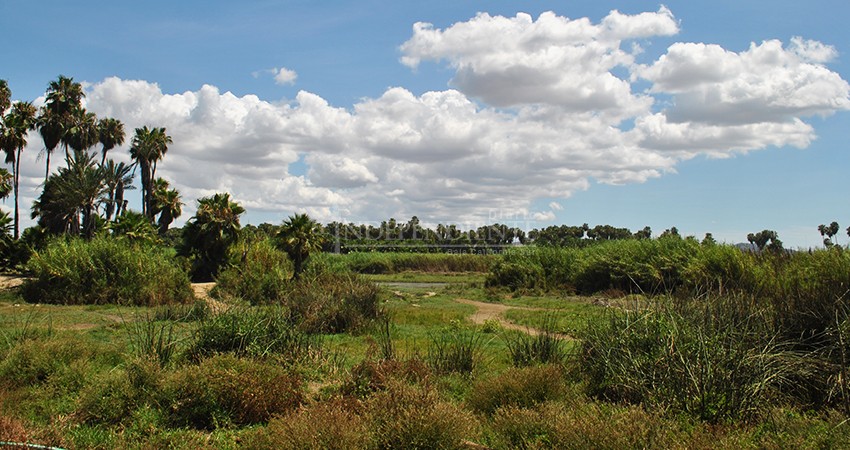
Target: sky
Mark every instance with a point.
(716, 116)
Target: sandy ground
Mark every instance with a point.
(494, 311)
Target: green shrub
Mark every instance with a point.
(515, 276)
(405, 416)
(255, 331)
(226, 390)
(105, 270)
(259, 273)
(332, 302)
(153, 339)
(32, 362)
(112, 397)
(521, 388)
(380, 262)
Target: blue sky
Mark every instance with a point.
(730, 118)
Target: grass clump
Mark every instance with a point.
(714, 360)
(454, 351)
(334, 424)
(255, 331)
(226, 390)
(331, 302)
(521, 388)
(105, 271)
(407, 416)
(543, 347)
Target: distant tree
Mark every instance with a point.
(68, 203)
(7, 181)
(118, 178)
(149, 146)
(828, 232)
(298, 237)
(708, 240)
(765, 239)
(671, 232)
(209, 233)
(13, 139)
(5, 96)
(645, 233)
(110, 133)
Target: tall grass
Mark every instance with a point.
(714, 359)
(105, 270)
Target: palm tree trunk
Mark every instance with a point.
(17, 169)
(47, 167)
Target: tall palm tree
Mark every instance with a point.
(64, 100)
(13, 139)
(82, 134)
(118, 178)
(149, 146)
(51, 128)
(110, 134)
(299, 236)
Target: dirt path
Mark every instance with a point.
(202, 292)
(495, 311)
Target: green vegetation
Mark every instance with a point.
(105, 270)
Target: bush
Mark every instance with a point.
(250, 332)
(105, 270)
(408, 416)
(370, 376)
(113, 396)
(332, 302)
(226, 390)
(515, 276)
(259, 273)
(520, 388)
(334, 424)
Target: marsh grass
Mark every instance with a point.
(454, 350)
(546, 347)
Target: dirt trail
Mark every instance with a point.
(202, 292)
(494, 311)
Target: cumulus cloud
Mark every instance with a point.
(285, 76)
(536, 112)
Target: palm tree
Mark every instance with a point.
(149, 146)
(13, 139)
(7, 182)
(82, 133)
(110, 134)
(134, 227)
(167, 203)
(118, 178)
(64, 100)
(68, 203)
(5, 96)
(51, 128)
(208, 235)
(299, 236)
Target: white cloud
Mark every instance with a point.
(553, 60)
(555, 206)
(285, 76)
